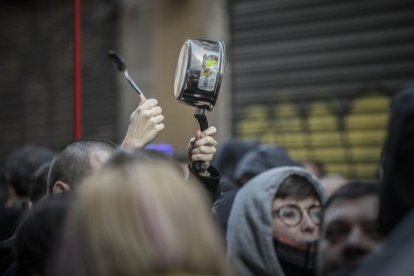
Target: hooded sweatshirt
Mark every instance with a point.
(249, 236)
(254, 162)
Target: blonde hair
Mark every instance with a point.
(139, 217)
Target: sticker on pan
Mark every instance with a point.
(209, 72)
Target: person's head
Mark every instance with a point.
(75, 161)
(349, 229)
(38, 235)
(296, 210)
(273, 225)
(20, 166)
(138, 217)
(230, 153)
(261, 159)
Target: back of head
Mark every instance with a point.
(397, 192)
(229, 154)
(21, 164)
(73, 162)
(259, 160)
(139, 217)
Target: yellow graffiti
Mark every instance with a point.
(350, 145)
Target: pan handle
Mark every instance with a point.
(200, 115)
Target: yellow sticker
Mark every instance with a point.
(208, 73)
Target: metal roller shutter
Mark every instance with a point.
(316, 77)
(36, 72)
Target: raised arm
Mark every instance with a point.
(145, 124)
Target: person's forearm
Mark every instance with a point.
(211, 182)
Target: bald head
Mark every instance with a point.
(75, 161)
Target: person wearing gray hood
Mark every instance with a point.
(274, 224)
(254, 162)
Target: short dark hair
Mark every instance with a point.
(72, 164)
(353, 190)
(296, 186)
(22, 163)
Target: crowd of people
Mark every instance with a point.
(97, 208)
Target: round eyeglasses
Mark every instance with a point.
(292, 215)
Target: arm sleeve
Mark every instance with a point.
(210, 183)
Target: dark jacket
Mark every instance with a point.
(396, 212)
(210, 183)
(397, 190)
